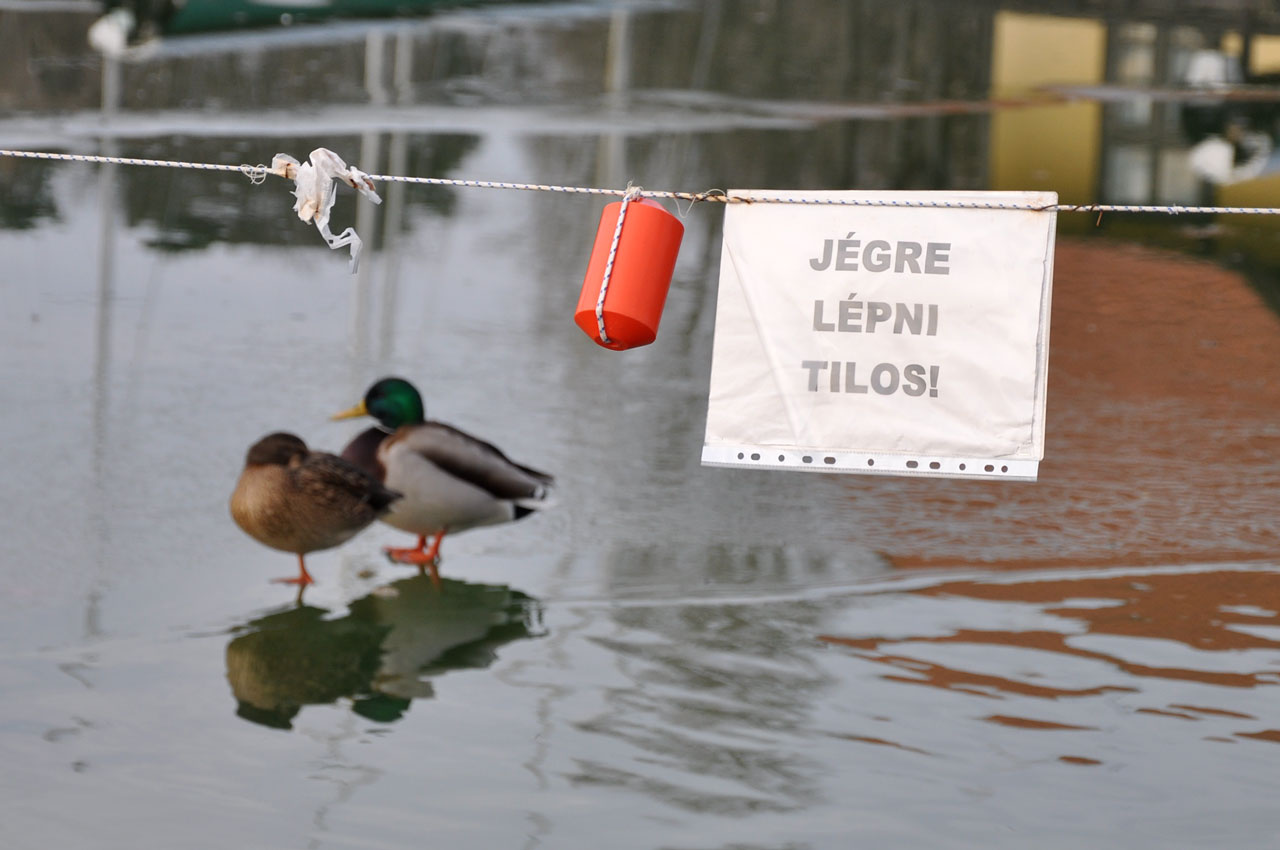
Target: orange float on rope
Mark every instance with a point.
(639, 279)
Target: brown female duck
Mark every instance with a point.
(300, 501)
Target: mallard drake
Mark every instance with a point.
(296, 500)
(451, 480)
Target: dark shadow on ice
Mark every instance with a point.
(382, 654)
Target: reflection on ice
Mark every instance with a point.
(382, 653)
(1178, 643)
(296, 657)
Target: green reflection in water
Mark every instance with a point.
(382, 653)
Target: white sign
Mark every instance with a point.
(890, 340)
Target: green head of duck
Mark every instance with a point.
(394, 402)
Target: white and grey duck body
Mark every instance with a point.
(451, 481)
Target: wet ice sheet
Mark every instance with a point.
(756, 723)
(717, 658)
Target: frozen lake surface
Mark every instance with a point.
(674, 657)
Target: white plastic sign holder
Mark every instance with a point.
(898, 333)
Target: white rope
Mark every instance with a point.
(629, 195)
(258, 173)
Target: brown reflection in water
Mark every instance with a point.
(1163, 713)
(1198, 610)
(1216, 712)
(1028, 723)
(884, 742)
(1161, 443)
(1272, 735)
(978, 684)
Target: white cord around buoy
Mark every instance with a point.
(632, 193)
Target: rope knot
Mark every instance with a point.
(257, 174)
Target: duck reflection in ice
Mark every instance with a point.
(382, 654)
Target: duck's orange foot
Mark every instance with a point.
(302, 579)
(417, 557)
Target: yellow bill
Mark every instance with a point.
(352, 413)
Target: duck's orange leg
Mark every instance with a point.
(303, 579)
(418, 555)
(411, 555)
(433, 554)
(425, 559)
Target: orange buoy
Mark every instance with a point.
(637, 284)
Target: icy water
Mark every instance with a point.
(674, 657)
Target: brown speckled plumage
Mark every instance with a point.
(297, 500)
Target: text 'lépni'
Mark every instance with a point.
(850, 315)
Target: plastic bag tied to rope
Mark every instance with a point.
(315, 193)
